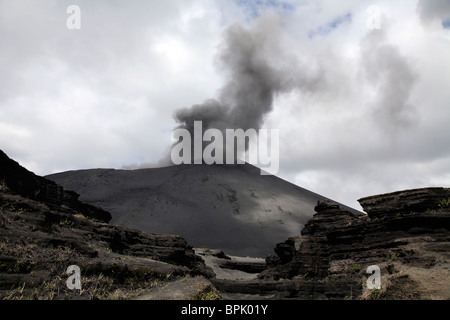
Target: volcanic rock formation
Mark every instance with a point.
(406, 234)
(44, 229)
(25, 183)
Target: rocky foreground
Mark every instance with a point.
(406, 234)
(44, 229)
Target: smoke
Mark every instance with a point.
(256, 69)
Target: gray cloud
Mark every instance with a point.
(106, 87)
(429, 10)
(393, 78)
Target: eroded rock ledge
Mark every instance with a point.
(44, 229)
(28, 185)
(405, 233)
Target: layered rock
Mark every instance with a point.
(405, 201)
(44, 229)
(25, 183)
(406, 234)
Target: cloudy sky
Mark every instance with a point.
(362, 101)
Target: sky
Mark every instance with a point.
(361, 93)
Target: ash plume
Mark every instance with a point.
(257, 70)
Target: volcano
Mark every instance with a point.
(227, 207)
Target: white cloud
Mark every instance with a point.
(102, 95)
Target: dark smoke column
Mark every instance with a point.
(256, 71)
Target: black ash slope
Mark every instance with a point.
(228, 207)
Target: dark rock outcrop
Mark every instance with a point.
(406, 234)
(405, 201)
(25, 183)
(44, 229)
